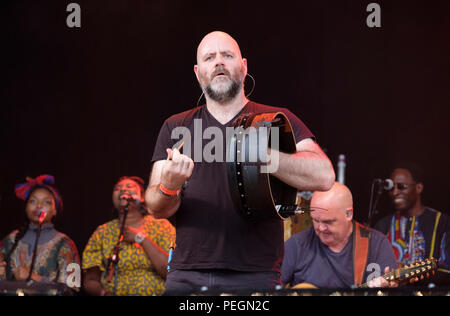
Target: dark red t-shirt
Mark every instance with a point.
(210, 232)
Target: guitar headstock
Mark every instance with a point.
(413, 272)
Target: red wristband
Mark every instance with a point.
(168, 192)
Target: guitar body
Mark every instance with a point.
(304, 286)
(407, 275)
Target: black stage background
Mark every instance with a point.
(86, 104)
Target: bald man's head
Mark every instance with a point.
(214, 39)
(338, 197)
(332, 215)
(220, 68)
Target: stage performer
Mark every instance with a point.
(143, 254)
(416, 231)
(337, 252)
(55, 251)
(216, 248)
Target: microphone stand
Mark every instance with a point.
(114, 259)
(33, 260)
(373, 204)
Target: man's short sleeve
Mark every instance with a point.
(163, 142)
(301, 132)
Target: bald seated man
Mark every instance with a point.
(216, 248)
(322, 256)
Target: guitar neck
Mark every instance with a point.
(412, 273)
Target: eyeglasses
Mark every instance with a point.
(402, 186)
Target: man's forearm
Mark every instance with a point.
(160, 205)
(305, 170)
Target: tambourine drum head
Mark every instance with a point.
(255, 193)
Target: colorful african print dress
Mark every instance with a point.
(55, 252)
(136, 275)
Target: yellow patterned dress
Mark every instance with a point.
(136, 274)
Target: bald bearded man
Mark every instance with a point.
(324, 254)
(216, 248)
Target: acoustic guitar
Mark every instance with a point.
(408, 274)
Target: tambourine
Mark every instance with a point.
(255, 192)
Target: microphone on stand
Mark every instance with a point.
(288, 210)
(383, 185)
(113, 260)
(129, 197)
(42, 215)
(386, 184)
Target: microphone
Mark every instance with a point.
(129, 197)
(387, 184)
(42, 215)
(288, 210)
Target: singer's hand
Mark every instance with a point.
(176, 170)
(130, 233)
(2, 270)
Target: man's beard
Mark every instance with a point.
(227, 94)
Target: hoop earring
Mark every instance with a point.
(254, 85)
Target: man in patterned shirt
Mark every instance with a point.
(416, 231)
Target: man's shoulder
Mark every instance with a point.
(302, 238)
(377, 234)
(432, 212)
(263, 108)
(182, 117)
(373, 232)
(431, 216)
(384, 223)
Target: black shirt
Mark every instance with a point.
(210, 232)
